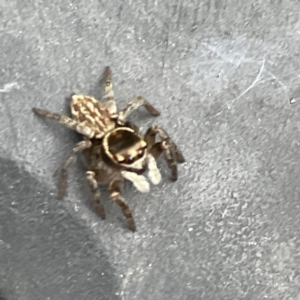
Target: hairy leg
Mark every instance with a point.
(70, 123)
(95, 191)
(108, 92)
(135, 104)
(115, 194)
(157, 149)
(70, 160)
(150, 139)
(172, 154)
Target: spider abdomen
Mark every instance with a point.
(92, 113)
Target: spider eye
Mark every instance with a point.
(129, 159)
(140, 153)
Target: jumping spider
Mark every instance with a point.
(113, 147)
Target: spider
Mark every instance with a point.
(113, 147)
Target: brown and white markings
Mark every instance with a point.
(114, 148)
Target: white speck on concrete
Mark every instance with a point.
(9, 86)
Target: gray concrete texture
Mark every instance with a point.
(225, 76)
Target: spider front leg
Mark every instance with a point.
(135, 104)
(70, 160)
(95, 191)
(70, 123)
(115, 194)
(109, 92)
(172, 154)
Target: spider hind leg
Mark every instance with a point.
(115, 194)
(62, 187)
(95, 191)
(109, 92)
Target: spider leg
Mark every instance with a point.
(135, 104)
(157, 149)
(109, 92)
(70, 160)
(115, 194)
(70, 123)
(171, 161)
(94, 188)
(172, 154)
(150, 140)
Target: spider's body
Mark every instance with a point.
(114, 148)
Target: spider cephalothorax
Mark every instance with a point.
(114, 148)
(126, 148)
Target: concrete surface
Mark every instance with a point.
(225, 75)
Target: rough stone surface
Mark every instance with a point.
(225, 76)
